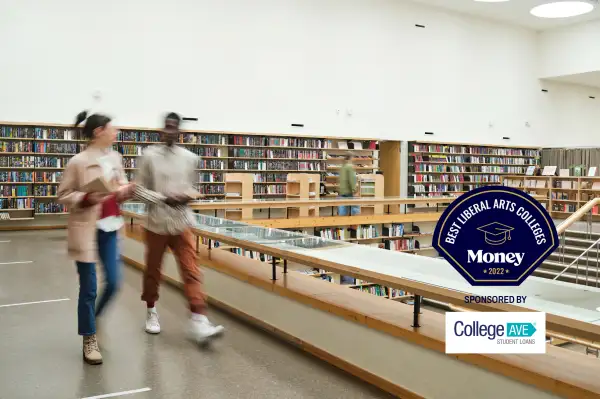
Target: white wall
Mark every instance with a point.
(569, 50)
(261, 65)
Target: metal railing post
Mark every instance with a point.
(597, 259)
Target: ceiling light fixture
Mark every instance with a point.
(491, 1)
(562, 9)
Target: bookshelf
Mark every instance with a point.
(238, 187)
(563, 194)
(34, 155)
(437, 169)
(371, 186)
(303, 186)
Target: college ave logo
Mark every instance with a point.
(495, 235)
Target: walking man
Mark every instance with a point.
(167, 173)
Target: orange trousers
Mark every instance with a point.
(183, 247)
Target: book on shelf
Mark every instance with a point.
(334, 233)
(393, 230)
(540, 183)
(592, 171)
(549, 171)
(342, 145)
(566, 184)
(377, 290)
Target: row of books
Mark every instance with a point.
(58, 133)
(473, 159)
(16, 146)
(45, 190)
(14, 191)
(460, 149)
(270, 177)
(212, 164)
(277, 141)
(299, 154)
(51, 162)
(47, 177)
(252, 254)
(472, 169)
(366, 231)
(210, 177)
(352, 144)
(561, 196)
(404, 244)
(131, 149)
(24, 161)
(393, 230)
(50, 207)
(377, 290)
(270, 189)
(276, 165)
(564, 207)
(249, 152)
(140, 136)
(207, 151)
(211, 189)
(440, 188)
(335, 233)
(210, 139)
(17, 203)
(455, 178)
(56, 148)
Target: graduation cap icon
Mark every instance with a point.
(496, 233)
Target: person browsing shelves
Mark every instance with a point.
(94, 221)
(165, 181)
(347, 188)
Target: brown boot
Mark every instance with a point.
(91, 351)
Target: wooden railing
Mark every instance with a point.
(577, 215)
(554, 322)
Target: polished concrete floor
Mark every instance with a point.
(40, 352)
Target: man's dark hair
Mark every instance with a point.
(173, 116)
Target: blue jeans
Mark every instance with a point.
(87, 311)
(343, 209)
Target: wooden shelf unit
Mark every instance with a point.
(303, 186)
(238, 187)
(563, 194)
(221, 152)
(371, 186)
(437, 168)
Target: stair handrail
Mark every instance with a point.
(577, 215)
(577, 259)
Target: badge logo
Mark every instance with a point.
(495, 235)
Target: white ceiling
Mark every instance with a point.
(516, 12)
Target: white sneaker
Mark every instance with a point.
(201, 329)
(152, 324)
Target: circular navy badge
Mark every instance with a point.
(495, 235)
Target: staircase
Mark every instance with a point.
(585, 270)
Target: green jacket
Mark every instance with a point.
(347, 179)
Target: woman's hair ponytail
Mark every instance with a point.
(92, 123)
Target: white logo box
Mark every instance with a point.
(496, 332)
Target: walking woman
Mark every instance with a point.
(94, 221)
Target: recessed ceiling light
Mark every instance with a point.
(562, 9)
(491, 1)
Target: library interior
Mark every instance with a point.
(295, 156)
